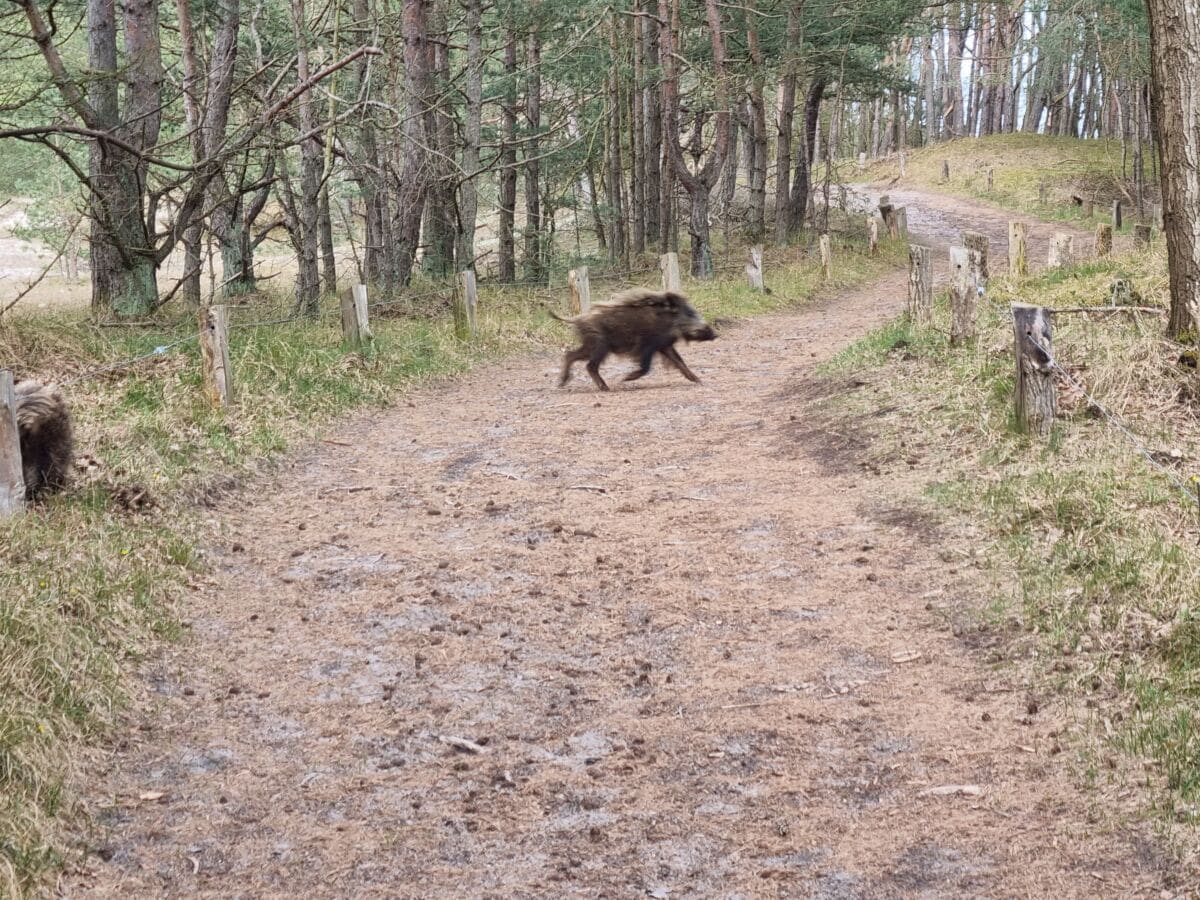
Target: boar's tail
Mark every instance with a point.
(569, 320)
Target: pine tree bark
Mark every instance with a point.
(652, 115)
(758, 128)
(468, 194)
(1174, 60)
(308, 280)
(534, 270)
(801, 186)
(507, 260)
(412, 185)
(783, 135)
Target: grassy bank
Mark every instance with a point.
(1020, 163)
(1093, 550)
(92, 579)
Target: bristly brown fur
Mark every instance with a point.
(47, 444)
(637, 323)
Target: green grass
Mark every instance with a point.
(1093, 550)
(86, 587)
(1020, 162)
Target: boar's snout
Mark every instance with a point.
(702, 332)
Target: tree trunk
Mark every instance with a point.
(441, 225)
(411, 188)
(801, 186)
(367, 164)
(507, 262)
(1174, 60)
(312, 166)
(618, 246)
(533, 119)
(638, 138)
(758, 128)
(783, 135)
(468, 195)
(652, 152)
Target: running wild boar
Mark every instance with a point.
(637, 324)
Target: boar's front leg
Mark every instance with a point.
(672, 356)
(647, 356)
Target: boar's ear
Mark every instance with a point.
(673, 300)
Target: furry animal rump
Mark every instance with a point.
(47, 444)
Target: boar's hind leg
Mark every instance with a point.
(569, 359)
(597, 356)
(672, 356)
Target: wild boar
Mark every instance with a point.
(637, 324)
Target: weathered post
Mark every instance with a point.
(356, 331)
(1062, 251)
(1116, 215)
(886, 211)
(899, 227)
(1018, 254)
(862, 162)
(1104, 238)
(1141, 235)
(945, 170)
(873, 235)
(991, 179)
(920, 285)
(581, 290)
(754, 269)
(466, 305)
(826, 256)
(12, 478)
(843, 197)
(977, 241)
(214, 355)
(1035, 394)
(964, 295)
(668, 264)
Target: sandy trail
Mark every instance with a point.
(701, 651)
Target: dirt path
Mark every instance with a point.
(700, 651)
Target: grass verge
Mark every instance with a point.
(88, 584)
(1094, 552)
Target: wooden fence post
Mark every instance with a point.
(1089, 208)
(754, 269)
(12, 476)
(977, 241)
(843, 197)
(1116, 215)
(581, 290)
(1104, 233)
(1035, 394)
(920, 285)
(862, 162)
(873, 235)
(668, 264)
(1018, 254)
(1141, 235)
(466, 304)
(900, 222)
(945, 170)
(1062, 251)
(886, 211)
(826, 257)
(356, 330)
(964, 296)
(214, 355)
(991, 179)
